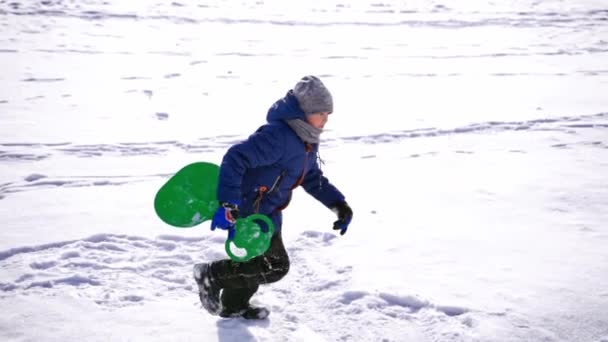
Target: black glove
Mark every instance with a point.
(345, 215)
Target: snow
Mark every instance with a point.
(471, 140)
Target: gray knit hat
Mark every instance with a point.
(312, 95)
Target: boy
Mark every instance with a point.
(258, 175)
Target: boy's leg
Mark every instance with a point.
(240, 280)
(266, 268)
(237, 299)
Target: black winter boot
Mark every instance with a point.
(251, 312)
(208, 292)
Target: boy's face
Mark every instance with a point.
(318, 120)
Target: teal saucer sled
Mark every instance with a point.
(189, 198)
(251, 237)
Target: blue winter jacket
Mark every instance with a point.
(261, 172)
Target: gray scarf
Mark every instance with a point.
(305, 131)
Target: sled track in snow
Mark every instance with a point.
(109, 269)
(432, 15)
(116, 271)
(32, 151)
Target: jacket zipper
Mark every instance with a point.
(264, 190)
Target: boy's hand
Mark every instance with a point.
(345, 215)
(225, 216)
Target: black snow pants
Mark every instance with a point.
(239, 281)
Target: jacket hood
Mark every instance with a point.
(285, 108)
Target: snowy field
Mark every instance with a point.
(470, 138)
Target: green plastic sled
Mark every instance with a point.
(190, 198)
